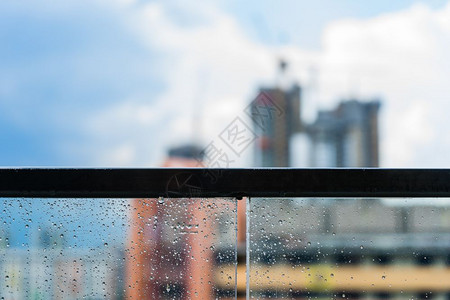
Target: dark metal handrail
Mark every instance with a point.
(201, 182)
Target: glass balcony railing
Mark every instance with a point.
(224, 233)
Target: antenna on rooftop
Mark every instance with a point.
(282, 79)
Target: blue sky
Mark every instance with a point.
(301, 22)
(60, 66)
(113, 83)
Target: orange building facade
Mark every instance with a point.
(173, 243)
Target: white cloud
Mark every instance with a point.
(122, 155)
(400, 56)
(403, 57)
(203, 59)
(209, 70)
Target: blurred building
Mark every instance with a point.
(175, 244)
(61, 273)
(361, 249)
(346, 136)
(338, 248)
(276, 118)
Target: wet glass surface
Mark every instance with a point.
(348, 248)
(117, 248)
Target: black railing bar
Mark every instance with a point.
(200, 182)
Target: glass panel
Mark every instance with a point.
(349, 248)
(117, 248)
